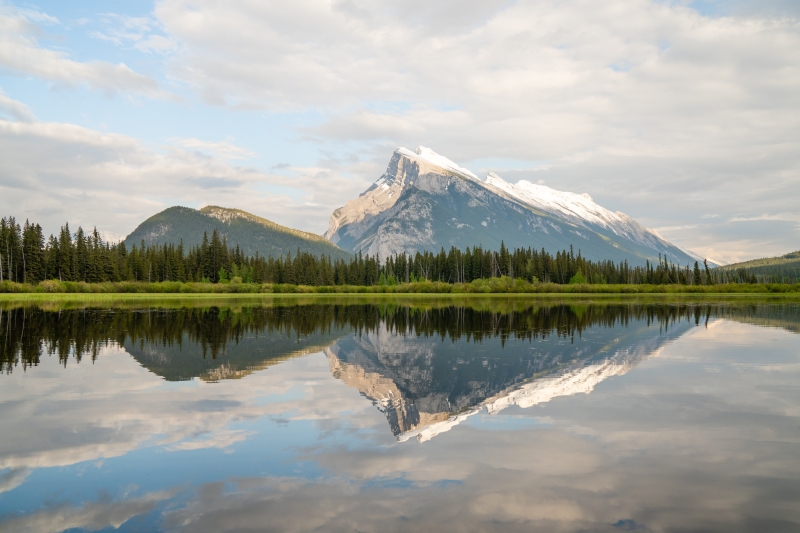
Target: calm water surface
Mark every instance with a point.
(484, 416)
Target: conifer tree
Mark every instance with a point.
(64, 255)
(36, 253)
(81, 256)
(696, 275)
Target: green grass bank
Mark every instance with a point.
(502, 285)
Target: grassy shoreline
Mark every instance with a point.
(247, 299)
(53, 289)
(493, 302)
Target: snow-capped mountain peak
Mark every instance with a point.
(420, 204)
(429, 156)
(494, 179)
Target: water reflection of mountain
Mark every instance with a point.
(236, 359)
(393, 347)
(426, 384)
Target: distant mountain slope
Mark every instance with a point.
(425, 201)
(252, 233)
(783, 268)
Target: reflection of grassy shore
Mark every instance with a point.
(55, 289)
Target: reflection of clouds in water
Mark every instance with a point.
(542, 479)
(550, 479)
(12, 478)
(218, 439)
(127, 407)
(659, 451)
(669, 447)
(91, 516)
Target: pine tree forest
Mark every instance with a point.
(27, 257)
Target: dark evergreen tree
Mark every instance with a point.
(32, 253)
(697, 277)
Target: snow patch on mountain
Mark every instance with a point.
(579, 209)
(576, 208)
(429, 156)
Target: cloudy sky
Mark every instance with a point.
(684, 115)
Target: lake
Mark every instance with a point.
(493, 414)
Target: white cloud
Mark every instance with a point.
(650, 107)
(110, 236)
(156, 44)
(603, 92)
(55, 173)
(21, 53)
(222, 150)
(673, 228)
(37, 16)
(140, 32)
(788, 217)
(15, 109)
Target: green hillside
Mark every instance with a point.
(785, 268)
(252, 233)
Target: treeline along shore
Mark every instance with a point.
(84, 262)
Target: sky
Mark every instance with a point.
(684, 115)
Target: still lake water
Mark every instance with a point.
(489, 415)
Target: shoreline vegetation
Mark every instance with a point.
(498, 285)
(27, 258)
(86, 264)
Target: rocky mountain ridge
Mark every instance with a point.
(424, 201)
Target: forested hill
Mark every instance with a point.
(785, 268)
(251, 233)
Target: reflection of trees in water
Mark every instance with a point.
(28, 332)
(786, 317)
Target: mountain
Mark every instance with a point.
(252, 234)
(785, 268)
(424, 201)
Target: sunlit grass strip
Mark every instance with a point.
(504, 285)
(493, 302)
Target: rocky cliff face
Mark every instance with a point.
(425, 202)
